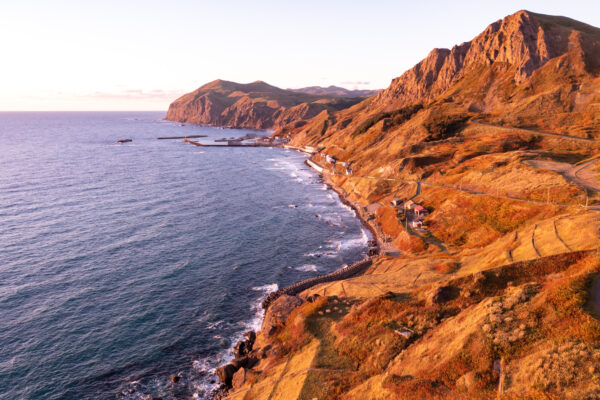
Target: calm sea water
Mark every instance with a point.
(121, 265)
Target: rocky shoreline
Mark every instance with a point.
(234, 373)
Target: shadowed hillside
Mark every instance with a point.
(336, 91)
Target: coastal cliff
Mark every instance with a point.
(255, 105)
(492, 147)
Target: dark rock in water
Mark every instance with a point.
(251, 336)
(240, 349)
(244, 347)
(175, 378)
(239, 378)
(225, 374)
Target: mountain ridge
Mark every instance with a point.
(478, 170)
(256, 105)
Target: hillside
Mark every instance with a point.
(256, 105)
(335, 91)
(498, 139)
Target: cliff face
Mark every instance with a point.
(486, 299)
(523, 70)
(522, 42)
(255, 105)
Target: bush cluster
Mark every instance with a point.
(443, 126)
(395, 117)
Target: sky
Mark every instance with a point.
(141, 55)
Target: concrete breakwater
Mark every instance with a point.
(342, 273)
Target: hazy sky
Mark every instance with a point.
(137, 55)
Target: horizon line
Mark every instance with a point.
(7, 111)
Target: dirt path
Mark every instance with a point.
(533, 132)
(582, 174)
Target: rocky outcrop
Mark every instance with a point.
(225, 374)
(278, 313)
(255, 105)
(239, 378)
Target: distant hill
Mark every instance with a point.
(335, 91)
(255, 105)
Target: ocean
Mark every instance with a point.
(124, 264)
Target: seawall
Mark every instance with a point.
(342, 273)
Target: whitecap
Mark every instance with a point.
(333, 219)
(307, 268)
(355, 242)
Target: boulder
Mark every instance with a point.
(239, 378)
(468, 381)
(278, 312)
(244, 362)
(225, 374)
(250, 336)
(441, 294)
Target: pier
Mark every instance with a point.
(229, 144)
(180, 137)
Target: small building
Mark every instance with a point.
(396, 202)
(330, 159)
(349, 172)
(416, 224)
(346, 164)
(420, 211)
(409, 204)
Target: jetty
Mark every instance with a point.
(181, 137)
(304, 149)
(229, 144)
(314, 166)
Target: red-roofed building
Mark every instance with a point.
(420, 211)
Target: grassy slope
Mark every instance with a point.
(518, 270)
